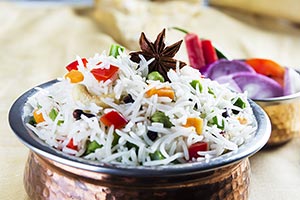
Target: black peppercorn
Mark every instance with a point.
(152, 135)
(225, 113)
(128, 99)
(77, 114)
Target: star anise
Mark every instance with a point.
(163, 55)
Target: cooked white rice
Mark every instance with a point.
(173, 143)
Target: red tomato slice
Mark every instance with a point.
(74, 65)
(105, 74)
(268, 68)
(113, 118)
(194, 148)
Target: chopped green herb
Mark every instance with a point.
(114, 50)
(157, 155)
(195, 84)
(32, 121)
(130, 145)
(210, 91)
(160, 117)
(53, 114)
(240, 103)
(92, 146)
(116, 139)
(60, 122)
(215, 121)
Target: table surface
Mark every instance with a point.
(37, 42)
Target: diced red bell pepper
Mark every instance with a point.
(194, 148)
(194, 50)
(71, 145)
(114, 118)
(209, 52)
(102, 74)
(74, 65)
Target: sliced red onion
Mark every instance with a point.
(203, 70)
(288, 86)
(291, 81)
(258, 86)
(228, 82)
(226, 67)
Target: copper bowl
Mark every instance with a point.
(284, 113)
(51, 174)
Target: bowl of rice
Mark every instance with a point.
(115, 128)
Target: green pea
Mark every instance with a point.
(157, 155)
(160, 117)
(195, 84)
(92, 146)
(155, 76)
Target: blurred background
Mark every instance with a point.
(39, 37)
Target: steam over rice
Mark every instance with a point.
(131, 145)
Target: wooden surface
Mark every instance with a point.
(36, 44)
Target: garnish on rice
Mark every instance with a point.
(114, 113)
(163, 56)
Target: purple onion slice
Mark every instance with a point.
(258, 86)
(288, 86)
(229, 82)
(226, 67)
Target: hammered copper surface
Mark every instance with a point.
(45, 179)
(284, 118)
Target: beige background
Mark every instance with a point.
(37, 42)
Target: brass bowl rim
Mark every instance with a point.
(28, 138)
(278, 99)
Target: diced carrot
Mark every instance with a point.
(74, 76)
(161, 92)
(268, 68)
(242, 120)
(38, 116)
(196, 122)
